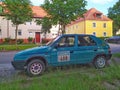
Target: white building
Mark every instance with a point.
(53, 32)
(28, 29)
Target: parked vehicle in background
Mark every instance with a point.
(114, 39)
(64, 50)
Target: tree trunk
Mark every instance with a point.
(63, 28)
(59, 29)
(16, 30)
(45, 34)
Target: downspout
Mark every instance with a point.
(7, 28)
(84, 26)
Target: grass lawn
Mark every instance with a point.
(117, 55)
(68, 78)
(19, 47)
(83, 78)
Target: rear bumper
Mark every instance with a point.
(18, 65)
(108, 56)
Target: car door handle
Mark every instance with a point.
(71, 51)
(95, 49)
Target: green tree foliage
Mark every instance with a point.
(18, 11)
(114, 14)
(62, 12)
(46, 25)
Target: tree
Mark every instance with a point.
(46, 25)
(18, 11)
(62, 12)
(114, 14)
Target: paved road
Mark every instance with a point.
(7, 57)
(115, 48)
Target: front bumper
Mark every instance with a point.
(18, 65)
(108, 56)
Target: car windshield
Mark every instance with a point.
(52, 41)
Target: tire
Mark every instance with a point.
(35, 68)
(100, 62)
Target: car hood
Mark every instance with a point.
(35, 50)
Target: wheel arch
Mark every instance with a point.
(37, 57)
(98, 55)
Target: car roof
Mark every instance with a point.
(77, 35)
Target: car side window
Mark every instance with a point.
(85, 41)
(66, 41)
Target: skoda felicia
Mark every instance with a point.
(64, 50)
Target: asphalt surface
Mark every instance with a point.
(6, 68)
(115, 48)
(7, 57)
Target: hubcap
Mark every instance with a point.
(36, 68)
(101, 62)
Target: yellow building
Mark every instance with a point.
(93, 22)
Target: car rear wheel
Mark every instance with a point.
(100, 62)
(35, 67)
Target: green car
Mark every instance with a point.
(64, 50)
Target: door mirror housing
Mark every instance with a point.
(56, 45)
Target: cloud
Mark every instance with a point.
(100, 1)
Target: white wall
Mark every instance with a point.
(28, 29)
(53, 32)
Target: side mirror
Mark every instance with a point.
(56, 45)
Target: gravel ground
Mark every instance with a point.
(6, 72)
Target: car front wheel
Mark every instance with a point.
(35, 67)
(100, 62)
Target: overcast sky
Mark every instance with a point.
(101, 5)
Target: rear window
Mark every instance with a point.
(86, 41)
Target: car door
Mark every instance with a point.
(86, 50)
(63, 51)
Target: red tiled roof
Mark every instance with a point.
(38, 12)
(91, 15)
(0, 3)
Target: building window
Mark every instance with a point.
(94, 33)
(30, 23)
(104, 25)
(104, 34)
(19, 32)
(0, 32)
(98, 15)
(30, 33)
(94, 24)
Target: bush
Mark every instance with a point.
(7, 40)
(20, 41)
(44, 40)
(30, 39)
(12, 41)
(103, 38)
(118, 35)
